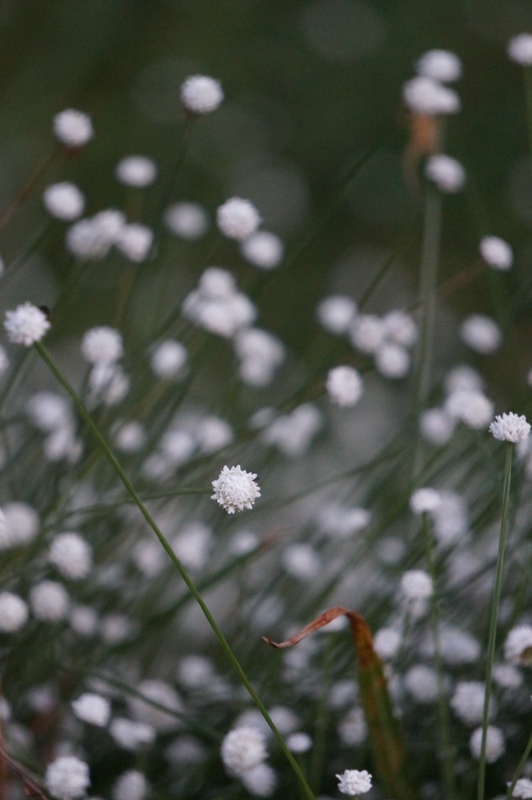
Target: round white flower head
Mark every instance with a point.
(299, 742)
(425, 501)
(510, 428)
(353, 782)
(496, 252)
(424, 95)
(134, 241)
(136, 171)
(387, 642)
(93, 709)
(523, 788)
(71, 554)
(168, 359)
(260, 781)
(131, 785)
(344, 386)
(242, 749)
(416, 584)
(469, 406)
(20, 525)
(187, 220)
(519, 49)
(301, 561)
(436, 426)
(263, 249)
(422, 683)
(336, 313)
(26, 325)
(367, 333)
(495, 745)
(64, 200)
(67, 778)
(518, 645)
(13, 612)
(237, 218)
(49, 601)
(481, 333)
(467, 702)
(440, 65)
(392, 360)
(235, 489)
(131, 735)
(102, 345)
(73, 128)
(201, 94)
(446, 172)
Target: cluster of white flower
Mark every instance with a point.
(244, 756)
(92, 238)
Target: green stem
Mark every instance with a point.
(307, 792)
(494, 613)
(519, 768)
(449, 767)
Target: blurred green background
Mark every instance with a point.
(311, 87)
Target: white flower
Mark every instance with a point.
(67, 778)
(354, 782)
(131, 735)
(496, 252)
(73, 128)
(510, 427)
(440, 65)
(425, 501)
(64, 200)
(131, 785)
(392, 360)
(13, 612)
(446, 172)
(367, 333)
(136, 171)
(523, 788)
(71, 554)
(93, 709)
(237, 218)
(21, 524)
(495, 745)
(260, 781)
(518, 645)
(416, 584)
(519, 49)
(469, 406)
(424, 95)
(49, 601)
(387, 642)
(201, 94)
(243, 749)
(168, 359)
(422, 683)
(481, 333)
(187, 220)
(263, 249)
(467, 701)
(134, 241)
(436, 426)
(235, 489)
(344, 386)
(102, 345)
(26, 325)
(336, 313)
(299, 742)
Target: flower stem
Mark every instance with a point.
(84, 414)
(494, 613)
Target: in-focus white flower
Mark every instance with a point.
(495, 745)
(237, 218)
(518, 645)
(440, 65)
(354, 782)
(201, 94)
(13, 612)
(93, 709)
(73, 128)
(235, 489)
(64, 200)
(136, 171)
(67, 778)
(344, 386)
(446, 172)
(263, 249)
(523, 788)
(187, 220)
(243, 749)
(496, 252)
(26, 325)
(519, 49)
(510, 427)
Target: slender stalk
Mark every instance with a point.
(443, 710)
(494, 613)
(519, 768)
(84, 414)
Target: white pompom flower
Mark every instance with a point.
(237, 218)
(243, 749)
(344, 386)
(354, 782)
(201, 94)
(510, 428)
(26, 325)
(235, 489)
(67, 778)
(73, 128)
